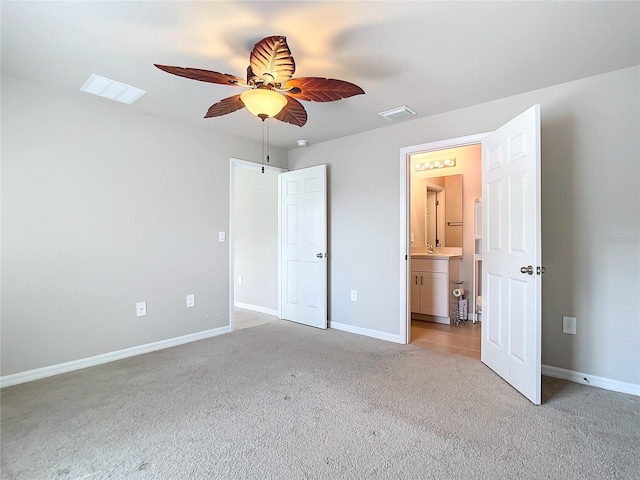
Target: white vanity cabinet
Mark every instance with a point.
(431, 286)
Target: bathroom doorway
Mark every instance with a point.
(444, 187)
(510, 244)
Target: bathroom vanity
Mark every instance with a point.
(432, 275)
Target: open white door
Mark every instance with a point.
(304, 246)
(511, 330)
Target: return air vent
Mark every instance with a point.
(397, 113)
(120, 92)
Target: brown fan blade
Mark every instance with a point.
(250, 74)
(224, 106)
(293, 113)
(203, 75)
(318, 89)
(271, 60)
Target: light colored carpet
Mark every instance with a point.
(284, 401)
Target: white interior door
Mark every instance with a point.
(511, 330)
(304, 246)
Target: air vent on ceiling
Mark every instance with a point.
(104, 87)
(397, 113)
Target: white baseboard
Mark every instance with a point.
(257, 308)
(35, 374)
(591, 380)
(365, 331)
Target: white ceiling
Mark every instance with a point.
(432, 56)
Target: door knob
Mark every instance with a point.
(320, 255)
(541, 270)
(527, 270)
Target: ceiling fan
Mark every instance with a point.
(272, 92)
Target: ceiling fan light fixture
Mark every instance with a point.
(262, 102)
(275, 67)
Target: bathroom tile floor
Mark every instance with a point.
(460, 340)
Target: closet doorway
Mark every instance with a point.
(254, 279)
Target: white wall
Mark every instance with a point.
(590, 217)
(103, 207)
(256, 237)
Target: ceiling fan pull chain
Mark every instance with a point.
(268, 138)
(262, 159)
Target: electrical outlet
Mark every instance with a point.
(141, 309)
(191, 300)
(569, 325)
(354, 295)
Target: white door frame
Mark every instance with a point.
(268, 169)
(404, 327)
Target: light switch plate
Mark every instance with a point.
(222, 237)
(191, 300)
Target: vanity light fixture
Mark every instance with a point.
(448, 162)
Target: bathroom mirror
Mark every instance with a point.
(437, 212)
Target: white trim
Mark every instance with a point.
(591, 380)
(279, 313)
(405, 244)
(366, 332)
(255, 166)
(233, 164)
(35, 374)
(257, 308)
